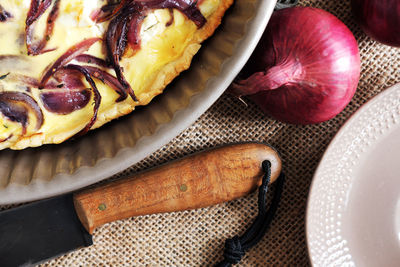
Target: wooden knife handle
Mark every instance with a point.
(196, 181)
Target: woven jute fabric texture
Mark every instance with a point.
(196, 238)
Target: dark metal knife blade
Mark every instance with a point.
(42, 230)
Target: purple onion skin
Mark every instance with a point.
(16, 106)
(380, 19)
(305, 69)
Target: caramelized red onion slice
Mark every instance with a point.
(133, 33)
(69, 94)
(116, 40)
(108, 79)
(66, 58)
(97, 96)
(64, 101)
(66, 79)
(107, 11)
(140, 7)
(35, 12)
(71, 79)
(16, 107)
(187, 7)
(4, 14)
(89, 59)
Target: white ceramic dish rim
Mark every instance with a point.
(328, 152)
(147, 145)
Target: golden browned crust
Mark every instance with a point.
(163, 78)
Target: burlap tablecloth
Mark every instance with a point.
(196, 238)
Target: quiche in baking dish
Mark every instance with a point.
(68, 66)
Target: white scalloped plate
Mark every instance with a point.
(353, 213)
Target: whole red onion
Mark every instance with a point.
(305, 69)
(380, 19)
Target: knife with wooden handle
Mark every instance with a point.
(42, 230)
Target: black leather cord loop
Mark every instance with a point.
(236, 247)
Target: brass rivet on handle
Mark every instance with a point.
(102, 206)
(183, 188)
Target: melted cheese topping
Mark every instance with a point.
(160, 44)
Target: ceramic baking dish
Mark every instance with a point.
(55, 169)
